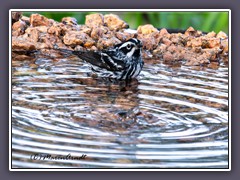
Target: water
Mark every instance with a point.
(172, 117)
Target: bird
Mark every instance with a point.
(122, 61)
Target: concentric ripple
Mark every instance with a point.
(171, 117)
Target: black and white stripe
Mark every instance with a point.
(123, 61)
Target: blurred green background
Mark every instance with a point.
(204, 21)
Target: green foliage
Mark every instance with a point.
(57, 16)
(205, 21)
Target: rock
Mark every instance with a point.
(69, 21)
(149, 42)
(166, 41)
(93, 20)
(19, 43)
(167, 56)
(197, 49)
(19, 27)
(192, 32)
(79, 48)
(172, 49)
(213, 42)
(22, 57)
(93, 48)
(146, 29)
(73, 38)
(160, 50)
(98, 32)
(202, 59)
(193, 43)
(210, 54)
(224, 46)
(211, 34)
(32, 33)
(149, 36)
(163, 32)
(124, 36)
(114, 23)
(104, 43)
(16, 16)
(57, 29)
(85, 29)
(47, 41)
(213, 65)
(101, 32)
(222, 35)
(26, 20)
(89, 43)
(192, 62)
(39, 20)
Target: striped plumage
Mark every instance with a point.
(122, 61)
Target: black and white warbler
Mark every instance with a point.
(122, 61)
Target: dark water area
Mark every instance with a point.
(171, 117)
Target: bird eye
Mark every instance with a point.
(128, 46)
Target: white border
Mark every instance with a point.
(113, 10)
(229, 89)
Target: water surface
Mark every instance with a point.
(171, 117)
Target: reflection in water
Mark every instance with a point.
(171, 117)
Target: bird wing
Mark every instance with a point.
(100, 59)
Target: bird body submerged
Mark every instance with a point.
(122, 61)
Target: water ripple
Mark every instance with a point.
(169, 118)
